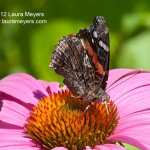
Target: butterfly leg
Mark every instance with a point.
(87, 107)
(107, 108)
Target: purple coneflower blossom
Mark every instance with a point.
(32, 117)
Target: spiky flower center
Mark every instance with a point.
(60, 120)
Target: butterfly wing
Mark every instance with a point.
(83, 59)
(71, 61)
(96, 41)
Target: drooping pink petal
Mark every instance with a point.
(20, 148)
(18, 94)
(23, 87)
(14, 137)
(13, 113)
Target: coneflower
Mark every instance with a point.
(38, 115)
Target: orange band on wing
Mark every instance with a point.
(93, 54)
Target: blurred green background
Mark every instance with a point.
(28, 48)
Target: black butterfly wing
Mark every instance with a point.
(96, 41)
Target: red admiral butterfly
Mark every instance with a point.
(83, 61)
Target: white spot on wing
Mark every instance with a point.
(92, 41)
(102, 44)
(95, 34)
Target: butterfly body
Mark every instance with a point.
(83, 60)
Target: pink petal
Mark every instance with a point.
(22, 86)
(115, 74)
(20, 148)
(20, 92)
(60, 148)
(13, 113)
(98, 147)
(89, 148)
(134, 120)
(14, 137)
(109, 147)
(106, 147)
(128, 139)
(134, 130)
(52, 86)
(132, 97)
(124, 88)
